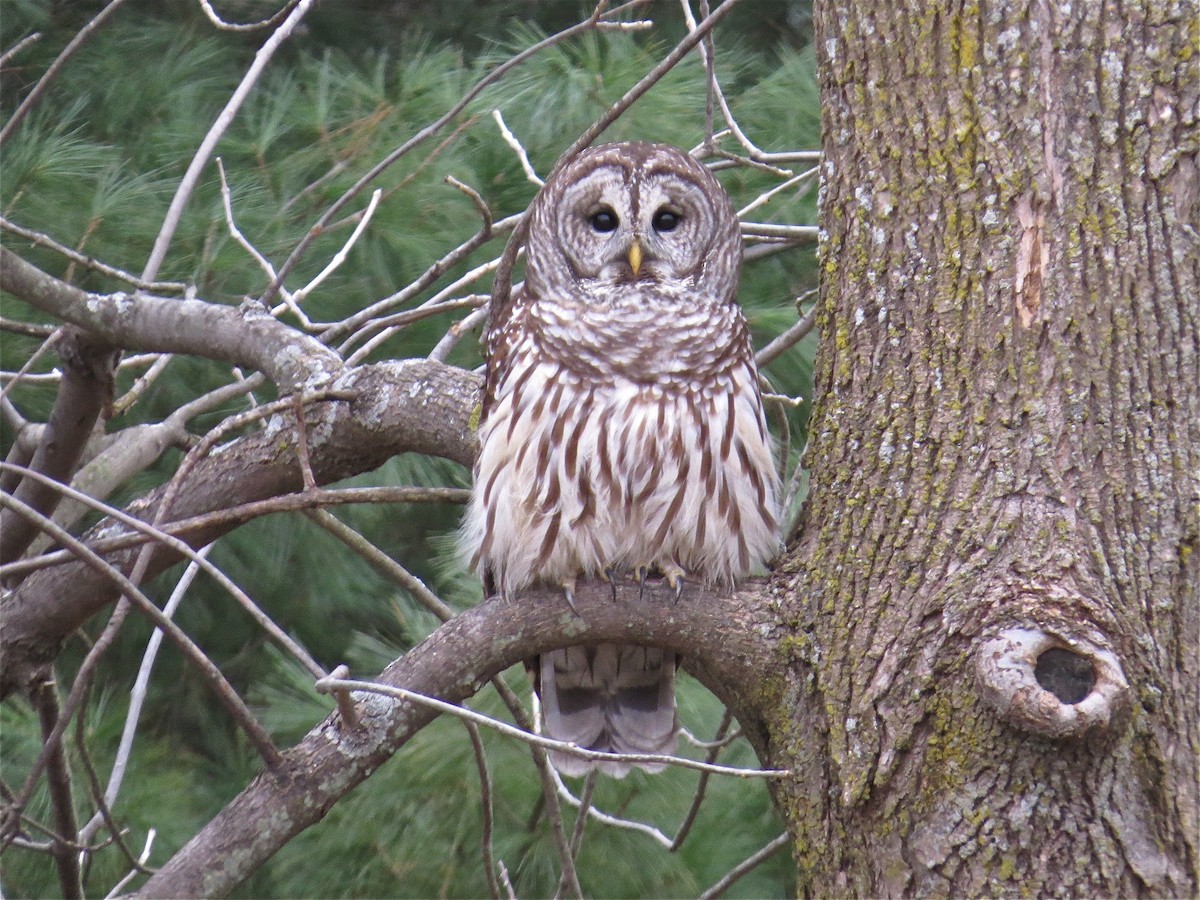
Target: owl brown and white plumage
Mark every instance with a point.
(622, 423)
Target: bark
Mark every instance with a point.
(995, 596)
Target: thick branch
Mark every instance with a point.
(415, 406)
(243, 336)
(84, 392)
(731, 638)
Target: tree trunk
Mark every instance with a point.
(995, 596)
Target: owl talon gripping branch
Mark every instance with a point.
(622, 425)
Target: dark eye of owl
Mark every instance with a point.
(666, 220)
(603, 219)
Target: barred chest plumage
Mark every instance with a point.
(624, 434)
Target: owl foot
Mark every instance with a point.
(674, 576)
(610, 575)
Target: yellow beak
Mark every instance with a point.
(635, 257)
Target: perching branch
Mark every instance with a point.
(730, 638)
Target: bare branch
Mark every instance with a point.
(84, 393)
(158, 252)
(518, 148)
(58, 776)
(138, 697)
(20, 45)
(325, 685)
(44, 240)
(485, 801)
(245, 337)
(250, 26)
(788, 339)
(47, 79)
(733, 636)
(745, 866)
(400, 406)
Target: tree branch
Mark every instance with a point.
(244, 336)
(85, 391)
(413, 406)
(729, 640)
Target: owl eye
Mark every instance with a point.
(666, 220)
(603, 220)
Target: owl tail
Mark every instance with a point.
(619, 698)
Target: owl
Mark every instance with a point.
(622, 430)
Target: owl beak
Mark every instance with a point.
(635, 257)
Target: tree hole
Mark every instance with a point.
(1067, 675)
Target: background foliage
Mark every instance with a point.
(96, 165)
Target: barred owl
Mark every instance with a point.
(622, 428)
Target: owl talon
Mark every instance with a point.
(641, 573)
(610, 575)
(677, 585)
(568, 589)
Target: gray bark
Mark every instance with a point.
(995, 597)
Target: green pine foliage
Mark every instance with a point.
(96, 166)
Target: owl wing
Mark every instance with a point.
(499, 339)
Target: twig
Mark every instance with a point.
(44, 240)
(400, 321)
(137, 699)
(251, 26)
(745, 866)
(20, 45)
(585, 802)
(224, 691)
(345, 702)
(44, 698)
(243, 512)
(428, 277)
(714, 750)
(708, 745)
(545, 742)
(476, 198)
(103, 811)
(263, 263)
(507, 882)
(606, 819)
(518, 148)
(33, 358)
(55, 67)
(485, 800)
(155, 533)
(382, 563)
(150, 835)
(27, 329)
(456, 331)
(186, 185)
(791, 232)
(761, 199)
(787, 340)
(340, 256)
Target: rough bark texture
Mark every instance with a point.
(1005, 452)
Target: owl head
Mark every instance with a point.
(629, 214)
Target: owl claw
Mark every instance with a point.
(642, 573)
(568, 589)
(610, 575)
(676, 580)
